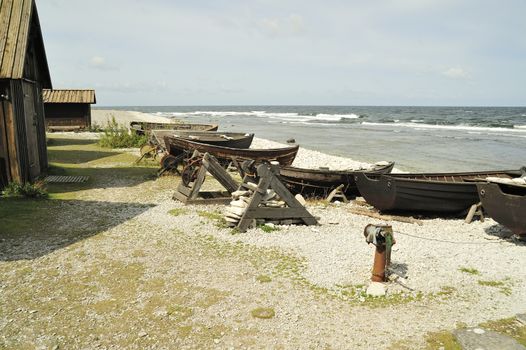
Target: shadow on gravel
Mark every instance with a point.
(502, 232)
(33, 228)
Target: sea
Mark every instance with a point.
(418, 139)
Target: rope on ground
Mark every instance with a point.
(453, 242)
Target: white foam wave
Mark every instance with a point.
(446, 127)
(335, 117)
(285, 116)
(519, 126)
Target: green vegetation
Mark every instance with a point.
(216, 216)
(442, 340)
(178, 211)
(503, 287)
(263, 312)
(118, 136)
(268, 228)
(27, 190)
(508, 326)
(263, 278)
(469, 270)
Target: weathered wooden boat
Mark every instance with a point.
(142, 128)
(318, 183)
(425, 192)
(225, 139)
(285, 156)
(506, 204)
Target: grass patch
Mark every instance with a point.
(27, 190)
(469, 270)
(178, 211)
(263, 312)
(216, 216)
(503, 287)
(263, 278)
(117, 136)
(268, 228)
(508, 326)
(441, 340)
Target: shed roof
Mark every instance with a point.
(69, 96)
(17, 20)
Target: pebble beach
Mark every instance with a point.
(314, 279)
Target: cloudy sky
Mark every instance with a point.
(289, 52)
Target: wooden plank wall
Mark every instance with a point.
(18, 114)
(5, 173)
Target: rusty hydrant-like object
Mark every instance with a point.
(382, 237)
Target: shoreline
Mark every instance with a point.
(306, 158)
(326, 267)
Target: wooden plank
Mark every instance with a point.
(12, 40)
(375, 215)
(198, 183)
(184, 190)
(14, 166)
(22, 44)
(179, 196)
(5, 19)
(276, 213)
(219, 173)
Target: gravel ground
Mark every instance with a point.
(158, 280)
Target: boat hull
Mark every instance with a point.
(225, 139)
(446, 193)
(505, 204)
(285, 156)
(143, 128)
(318, 183)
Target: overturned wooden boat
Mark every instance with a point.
(225, 139)
(425, 192)
(506, 204)
(318, 183)
(142, 128)
(285, 156)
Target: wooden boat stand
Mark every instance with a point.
(268, 179)
(337, 193)
(191, 193)
(475, 210)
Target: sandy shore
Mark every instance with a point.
(101, 116)
(176, 257)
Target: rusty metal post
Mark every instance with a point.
(381, 236)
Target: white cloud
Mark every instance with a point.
(98, 62)
(287, 26)
(456, 73)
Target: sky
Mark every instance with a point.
(289, 52)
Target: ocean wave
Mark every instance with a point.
(458, 127)
(519, 126)
(285, 116)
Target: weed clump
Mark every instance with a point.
(178, 211)
(27, 190)
(263, 312)
(469, 270)
(117, 136)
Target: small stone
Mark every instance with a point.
(478, 331)
(376, 289)
(33, 311)
(291, 140)
(142, 334)
(54, 347)
(216, 341)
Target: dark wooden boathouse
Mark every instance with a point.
(68, 109)
(24, 73)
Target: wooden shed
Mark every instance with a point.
(68, 109)
(24, 73)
